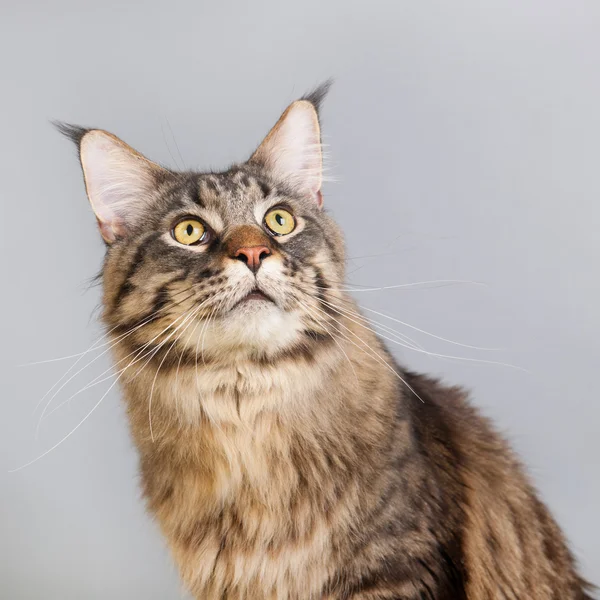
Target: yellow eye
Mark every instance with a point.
(280, 221)
(189, 231)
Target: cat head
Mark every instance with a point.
(244, 260)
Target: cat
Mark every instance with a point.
(283, 451)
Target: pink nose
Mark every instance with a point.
(253, 256)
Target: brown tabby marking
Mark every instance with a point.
(283, 451)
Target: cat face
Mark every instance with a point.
(241, 261)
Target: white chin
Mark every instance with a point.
(257, 324)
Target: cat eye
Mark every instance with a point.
(189, 231)
(280, 221)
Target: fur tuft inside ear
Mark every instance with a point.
(292, 150)
(119, 180)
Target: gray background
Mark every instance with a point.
(465, 140)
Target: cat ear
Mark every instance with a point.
(118, 179)
(292, 149)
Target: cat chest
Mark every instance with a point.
(248, 528)
(245, 499)
(252, 554)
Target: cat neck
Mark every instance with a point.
(316, 388)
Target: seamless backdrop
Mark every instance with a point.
(464, 138)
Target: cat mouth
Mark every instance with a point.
(256, 295)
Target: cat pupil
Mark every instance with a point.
(189, 230)
(280, 219)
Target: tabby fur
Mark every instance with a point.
(283, 451)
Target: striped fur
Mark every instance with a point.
(283, 452)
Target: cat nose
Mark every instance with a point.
(252, 256)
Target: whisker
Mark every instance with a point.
(191, 316)
(153, 352)
(449, 341)
(391, 330)
(436, 354)
(138, 355)
(176, 386)
(31, 462)
(375, 355)
(201, 337)
(216, 311)
(437, 282)
(351, 258)
(111, 342)
(72, 430)
(97, 380)
(369, 322)
(94, 344)
(433, 335)
(320, 321)
(67, 357)
(81, 355)
(208, 414)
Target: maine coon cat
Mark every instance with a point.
(283, 452)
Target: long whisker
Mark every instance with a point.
(153, 351)
(68, 356)
(433, 335)
(138, 354)
(98, 379)
(436, 354)
(436, 282)
(324, 325)
(81, 357)
(374, 354)
(449, 341)
(69, 434)
(411, 343)
(371, 288)
(351, 258)
(112, 345)
(191, 318)
(65, 383)
(111, 342)
(176, 386)
(72, 430)
(201, 337)
(104, 335)
(215, 312)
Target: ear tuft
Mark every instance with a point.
(74, 133)
(318, 95)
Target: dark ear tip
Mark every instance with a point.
(316, 96)
(73, 132)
